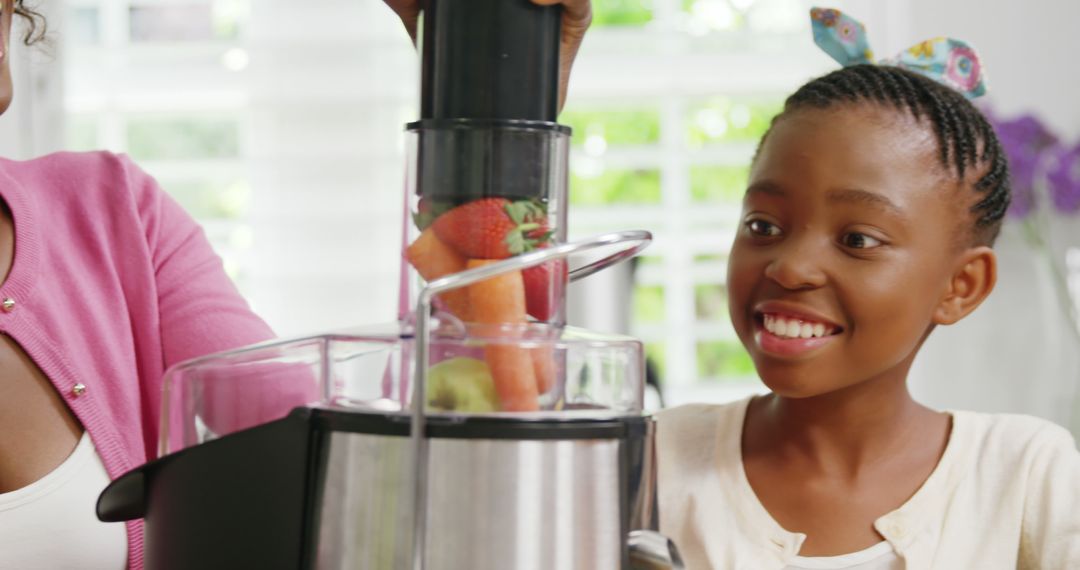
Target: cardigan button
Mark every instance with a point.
(78, 390)
(8, 304)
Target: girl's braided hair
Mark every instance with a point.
(967, 142)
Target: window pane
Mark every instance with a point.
(648, 260)
(710, 302)
(648, 304)
(723, 360)
(616, 187)
(229, 17)
(82, 133)
(725, 184)
(727, 120)
(611, 128)
(622, 12)
(84, 27)
(704, 16)
(211, 199)
(710, 258)
(177, 23)
(197, 21)
(182, 138)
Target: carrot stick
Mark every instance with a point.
(515, 383)
(501, 300)
(434, 259)
(543, 358)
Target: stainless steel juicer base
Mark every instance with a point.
(529, 508)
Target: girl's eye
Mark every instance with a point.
(763, 228)
(855, 240)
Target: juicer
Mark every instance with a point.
(476, 432)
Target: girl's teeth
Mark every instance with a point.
(793, 328)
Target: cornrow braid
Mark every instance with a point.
(966, 141)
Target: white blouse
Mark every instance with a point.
(1006, 494)
(51, 523)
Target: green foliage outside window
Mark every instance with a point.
(648, 305)
(725, 184)
(722, 119)
(649, 260)
(617, 127)
(710, 258)
(178, 139)
(723, 359)
(229, 17)
(616, 187)
(211, 199)
(714, 15)
(622, 12)
(710, 302)
(82, 134)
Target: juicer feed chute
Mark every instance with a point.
(487, 161)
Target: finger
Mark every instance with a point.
(409, 12)
(574, 11)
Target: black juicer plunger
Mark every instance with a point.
(490, 68)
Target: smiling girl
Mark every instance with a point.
(872, 206)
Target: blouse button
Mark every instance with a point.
(78, 389)
(8, 304)
(899, 530)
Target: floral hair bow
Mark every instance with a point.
(948, 61)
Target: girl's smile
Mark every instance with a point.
(788, 330)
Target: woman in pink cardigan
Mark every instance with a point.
(105, 282)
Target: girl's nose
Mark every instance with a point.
(796, 266)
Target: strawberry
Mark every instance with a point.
(544, 286)
(542, 234)
(491, 228)
(426, 212)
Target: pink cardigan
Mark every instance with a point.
(112, 283)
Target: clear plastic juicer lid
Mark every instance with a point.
(576, 373)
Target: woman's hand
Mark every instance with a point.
(577, 15)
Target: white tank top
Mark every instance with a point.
(881, 556)
(51, 523)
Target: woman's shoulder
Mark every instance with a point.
(73, 175)
(69, 163)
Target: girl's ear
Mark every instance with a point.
(971, 283)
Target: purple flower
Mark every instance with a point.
(1064, 178)
(1024, 139)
